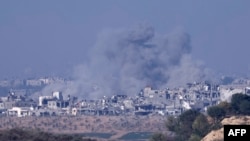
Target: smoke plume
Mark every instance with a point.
(124, 61)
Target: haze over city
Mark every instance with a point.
(138, 70)
(62, 38)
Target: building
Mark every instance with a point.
(19, 112)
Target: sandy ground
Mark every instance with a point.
(117, 125)
(218, 135)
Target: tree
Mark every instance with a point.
(216, 112)
(186, 120)
(244, 107)
(188, 117)
(236, 101)
(172, 123)
(201, 125)
(227, 107)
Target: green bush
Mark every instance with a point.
(216, 112)
(237, 106)
(200, 125)
(158, 137)
(244, 107)
(194, 137)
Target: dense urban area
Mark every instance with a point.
(25, 106)
(18, 99)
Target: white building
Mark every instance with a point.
(19, 112)
(57, 95)
(52, 104)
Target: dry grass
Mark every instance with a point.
(118, 125)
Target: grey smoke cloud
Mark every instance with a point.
(123, 61)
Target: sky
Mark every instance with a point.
(52, 38)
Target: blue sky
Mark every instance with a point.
(47, 37)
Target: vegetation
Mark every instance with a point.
(19, 134)
(200, 125)
(193, 125)
(158, 137)
(240, 104)
(216, 112)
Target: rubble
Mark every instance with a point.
(148, 101)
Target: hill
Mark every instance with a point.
(217, 135)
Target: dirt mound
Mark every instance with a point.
(218, 135)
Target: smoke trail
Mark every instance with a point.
(126, 60)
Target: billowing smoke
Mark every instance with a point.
(126, 60)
